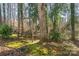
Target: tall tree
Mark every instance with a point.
(72, 6)
(55, 16)
(33, 14)
(20, 18)
(42, 20)
(9, 14)
(21, 7)
(0, 15)
(4, 21)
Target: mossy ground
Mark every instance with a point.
(33, 47)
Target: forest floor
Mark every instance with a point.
(27, 47)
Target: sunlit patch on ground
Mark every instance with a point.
(13, 35)
(32, 42)
(45, 50)
(20, 43)
(16, 44)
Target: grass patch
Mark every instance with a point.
(13, 36)
(16, 44)
(35, 49)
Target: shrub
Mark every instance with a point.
(37, 49)
(5, 30)
(55, 35)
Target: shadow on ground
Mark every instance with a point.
(5, 51)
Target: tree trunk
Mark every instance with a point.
(0, 15)
(72, 21)
(20, 19)
(4, 20)
(42, 21)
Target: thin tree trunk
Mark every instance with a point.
(4, 21)
(20, 19)
(0, 15)
(72, 21)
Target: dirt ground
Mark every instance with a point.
(8, 51)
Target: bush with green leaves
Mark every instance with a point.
(55, 35)
(37, 50)
(5, 30)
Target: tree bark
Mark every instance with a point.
(20, 19)
(42, 21)
(72, 5)
(4, 20)
(0, 15)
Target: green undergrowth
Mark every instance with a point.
(36, 49)
(20, 43)
(13, 35)
(39, 50)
